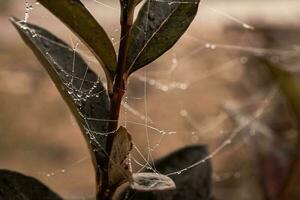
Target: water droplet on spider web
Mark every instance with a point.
(183, 113)
(79, 95)
(73, 121)
(243, 60)
(213, 46)
(152, 82)
(28, 9)
(26, 16)
(247, 26)
(207, 45)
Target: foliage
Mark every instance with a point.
(159, 24)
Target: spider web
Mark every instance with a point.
(136, 104)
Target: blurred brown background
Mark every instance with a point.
(186, 91)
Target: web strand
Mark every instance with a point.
(144, 120)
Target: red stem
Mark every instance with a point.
(104, 191)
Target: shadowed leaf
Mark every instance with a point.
(74, 14)
(190, 185)
(288, 82)
(289, 85)
(15, 186)
(80, 87)
(118, 169)
(157, 28)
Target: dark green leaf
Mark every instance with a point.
(118, 168)
(157, 28)
(15, 186)
(74, 14)
(190, 185)
(80, 87)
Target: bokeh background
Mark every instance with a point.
(200, 91)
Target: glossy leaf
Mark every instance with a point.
(190, 185)
(119, 172)
(15, 186)
(75, 15)
(157, 28)
(80, 87)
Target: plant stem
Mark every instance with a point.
(104, 191)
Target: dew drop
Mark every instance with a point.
(183, 86)
(244, 60)
(228, 142)
(151, 16)
(213, 46)
(162, 132)
(26, 17)
(183, 113)
(165, 88)
(247, 26)
(207, 45)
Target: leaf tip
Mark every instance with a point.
(13, 20)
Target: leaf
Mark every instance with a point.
(152, 182)
(80, 87)
(119, 171)
(192, 184)
(75, 15)
(288, 83)
(275, 157)
(15, 186)
(157, 28)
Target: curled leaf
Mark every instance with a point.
(157, 28)
(118, 169)
(152, 182)
(190, 185)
